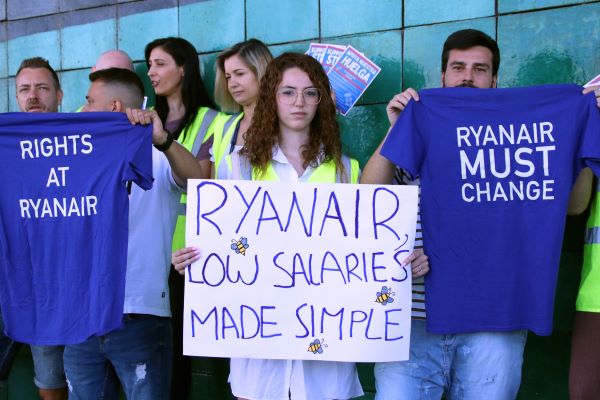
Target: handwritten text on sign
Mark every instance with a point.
(299, 271)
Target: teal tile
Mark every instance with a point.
(297, 47)
(43, 44)
(4, 95)
(423, 50)
(418, 12)
(75, 85)
(362, 130)
(12, 96)
(17, 9)
(137, 30)
(565, 46)
(505, 6)
(385, 50)
(207, 65)
(3, 59)
(356, 16)
(282, 21)
(82, 44)
(212, 25)
(142, 71)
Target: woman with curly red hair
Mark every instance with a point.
(294, 137)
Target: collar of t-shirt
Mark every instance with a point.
(286, 171)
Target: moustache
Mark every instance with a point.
(467, 84)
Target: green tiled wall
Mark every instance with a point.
(541, 41)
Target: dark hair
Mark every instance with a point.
(256, 56)
(193, 92)
(120, 76)
(39, 62)
(324, 143)
(467, 38)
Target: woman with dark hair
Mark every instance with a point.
(182, 102)
(187, 114)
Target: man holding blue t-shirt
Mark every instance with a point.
(470, 357)
(140, 352)
(38, 90)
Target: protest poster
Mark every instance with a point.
(350, 77)
(299, 271)
(331, 56)
(317, 51)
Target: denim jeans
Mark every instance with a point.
(48, 367)
(140, 353)
(482, 365)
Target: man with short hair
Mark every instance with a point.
(471, 364)
(113, 89)
(38, 90)
(141, 351)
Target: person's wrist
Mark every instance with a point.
(166, 144)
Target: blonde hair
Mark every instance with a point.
(256, 56)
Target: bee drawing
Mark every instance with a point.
(240, 246)
(385, 296)
(316, 346)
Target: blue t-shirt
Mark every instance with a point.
(63, 221)
(496, 169)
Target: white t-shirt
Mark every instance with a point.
(152, 218)
(304, 380)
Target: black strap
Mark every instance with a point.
(235, 136)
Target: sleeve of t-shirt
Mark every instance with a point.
(590, 143)
(405, 145)
(139, 156)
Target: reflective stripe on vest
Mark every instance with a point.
(201, 123)
(224, 130)
(592, 234)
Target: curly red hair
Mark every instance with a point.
(324, 143)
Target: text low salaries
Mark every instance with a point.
(253, 322)
(288, 269)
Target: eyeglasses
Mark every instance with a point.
(289, 95)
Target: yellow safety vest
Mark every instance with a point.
(324, 173)
(588, 298)
(187, 138)
(224, 128)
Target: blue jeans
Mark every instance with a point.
(48, 367)
(482, 365)
(140, 353)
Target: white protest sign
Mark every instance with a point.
(299, 271)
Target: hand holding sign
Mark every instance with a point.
(183, 258)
